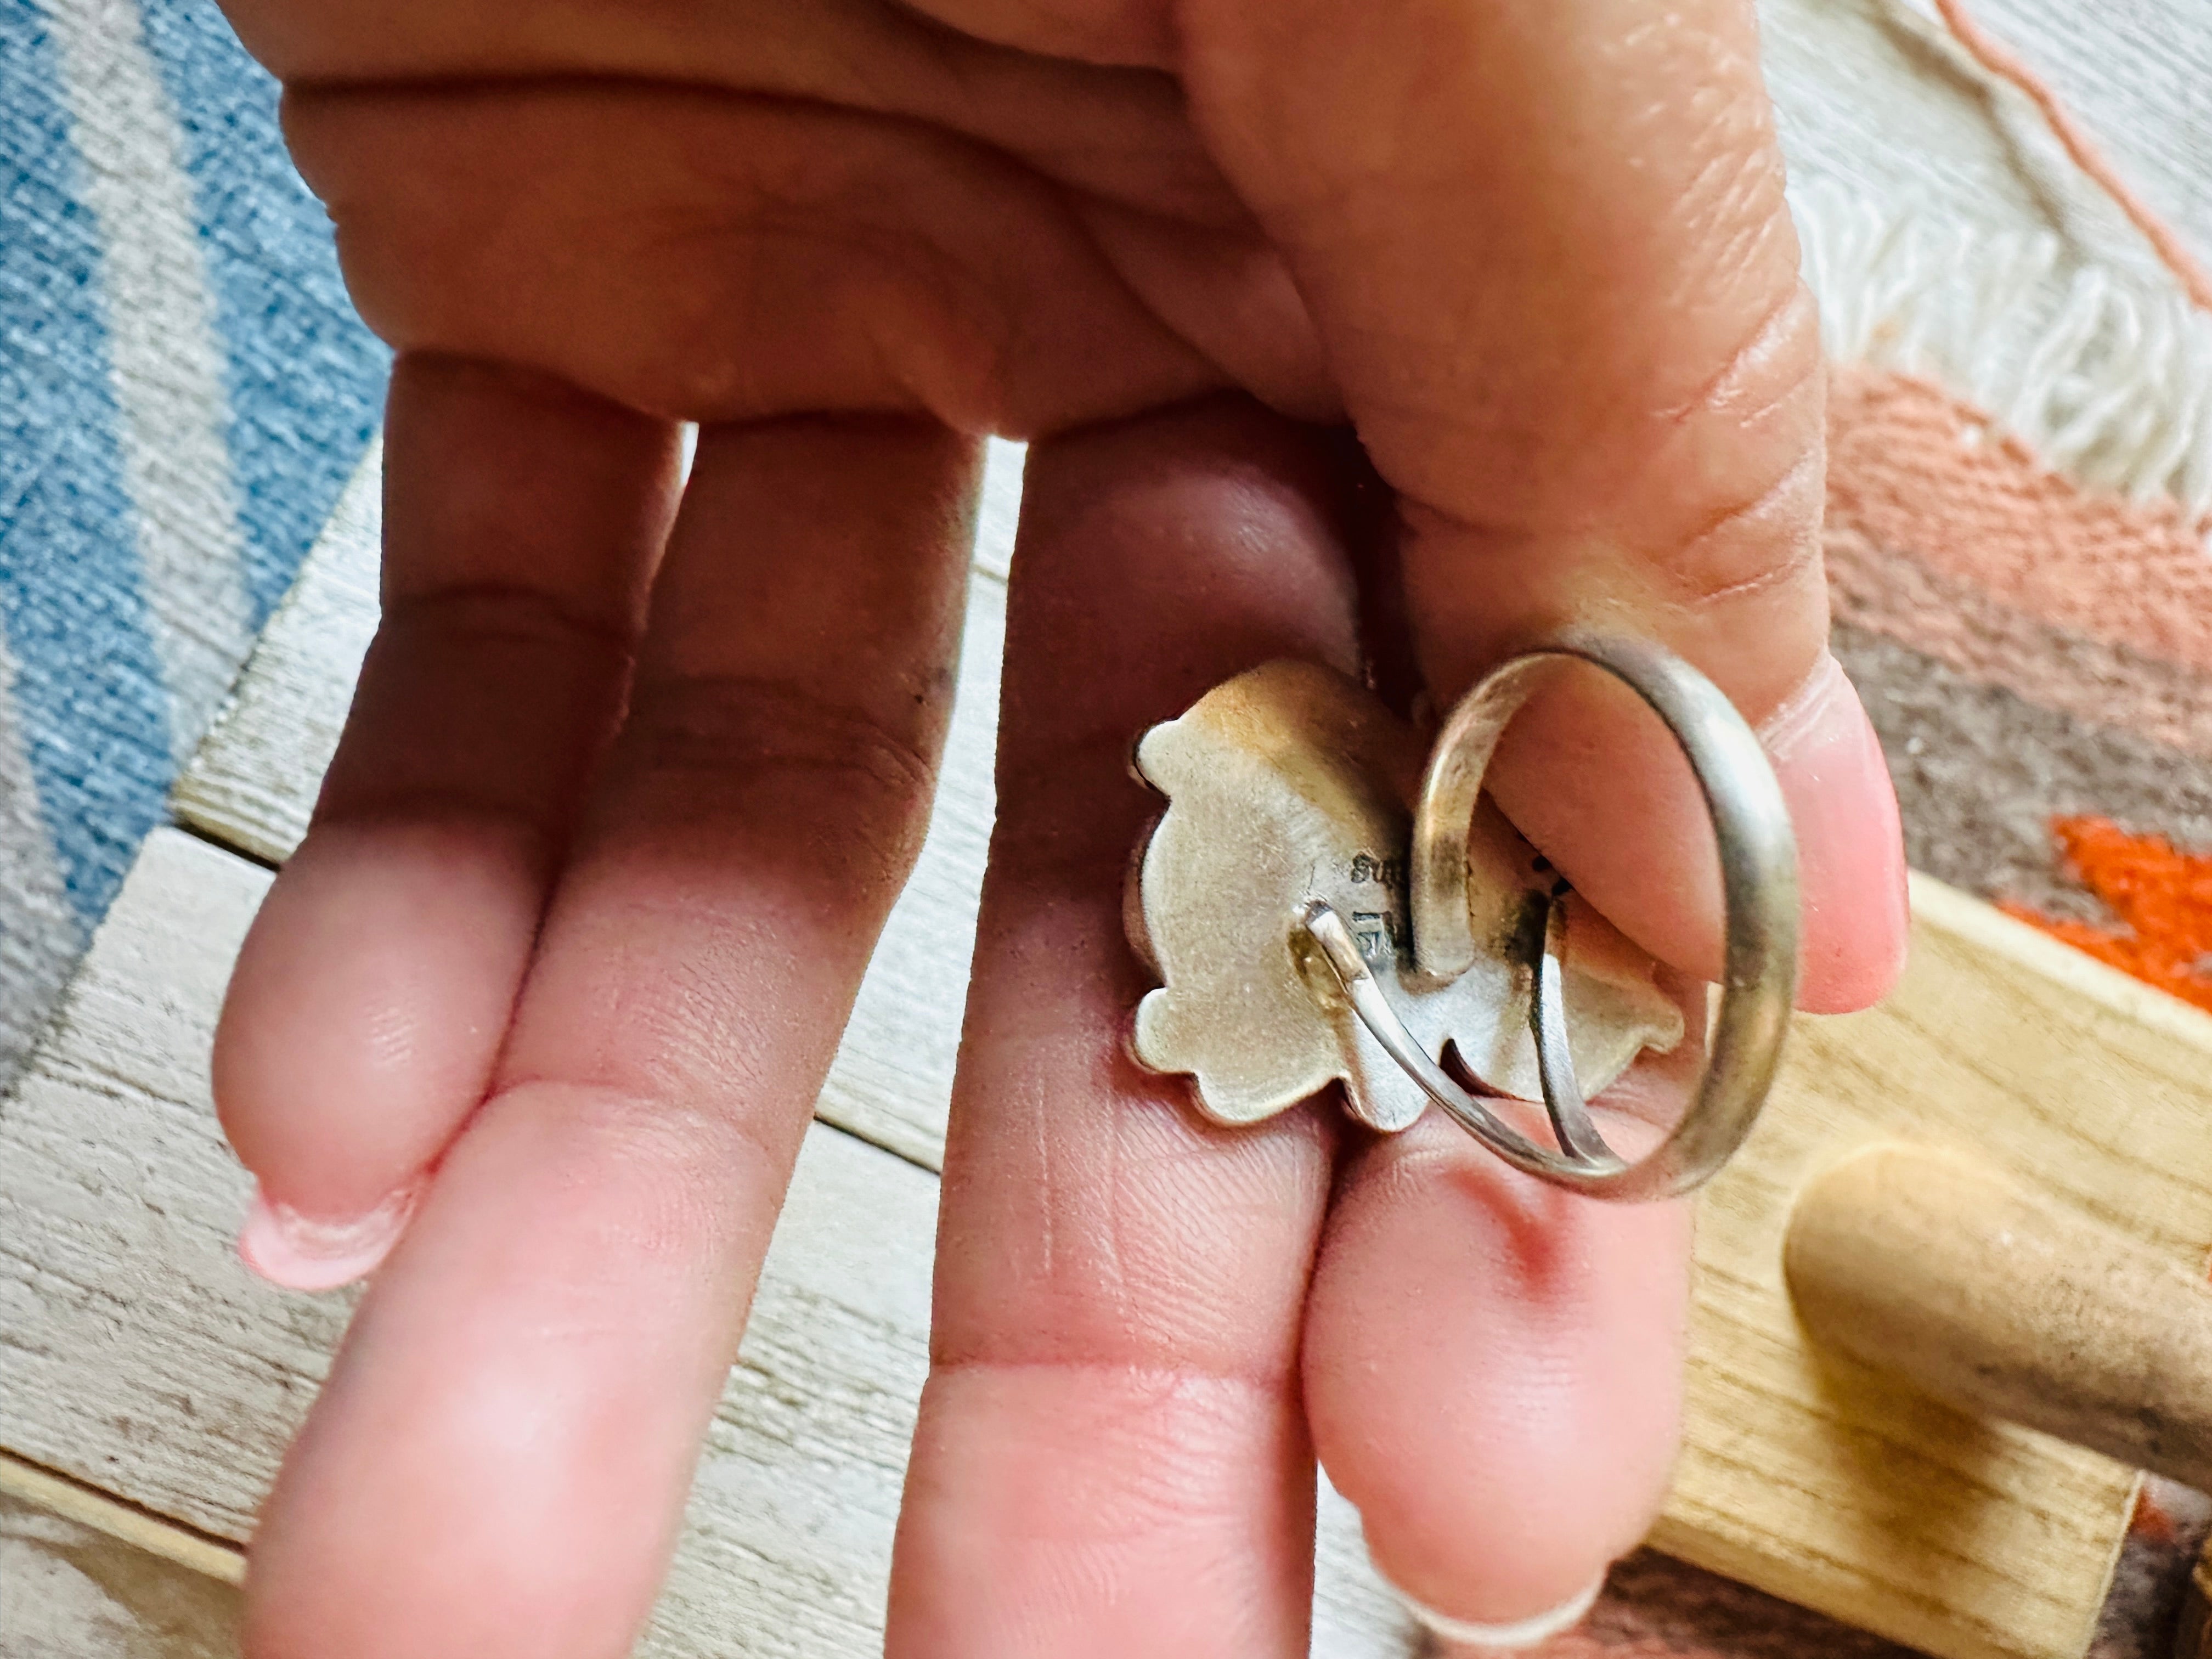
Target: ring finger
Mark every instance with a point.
(1112, 1456)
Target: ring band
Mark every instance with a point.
(1759, 880)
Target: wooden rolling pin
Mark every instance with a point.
(1930, 1267)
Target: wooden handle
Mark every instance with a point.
(1929, 1266)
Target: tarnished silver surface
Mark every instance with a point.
(1286, 785)
(1759, 878)
(1585, 1151)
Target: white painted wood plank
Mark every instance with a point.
(28, 1485)
(1002, 508)
(143, 1358)
(68, 1590)
(1355, 1614)
(123, 1314)
(253, 782)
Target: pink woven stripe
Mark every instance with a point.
(1914, 471)
(1965, 626)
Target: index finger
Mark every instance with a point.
(1546, 246)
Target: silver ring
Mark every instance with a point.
(1759, 880)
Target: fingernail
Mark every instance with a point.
(311, 1253)
(1850, 847)
(1504, 1638)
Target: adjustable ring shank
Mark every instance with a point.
(1759, 878)
(1341, 951)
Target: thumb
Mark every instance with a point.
(1546, 246)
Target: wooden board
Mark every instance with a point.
(252, 783)
(144, 1360)
(28, 1487)
(149, 1363)
(72, 1591)
(1822, 1483)
(82, 1577)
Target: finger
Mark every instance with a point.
(498, 1464)
(908, 270)
(1111, 1459)
(522, 522)
(1546, 246)
(1493, 1366)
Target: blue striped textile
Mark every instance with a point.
(186, 389)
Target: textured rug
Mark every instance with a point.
(184, 390)
(2022, 466)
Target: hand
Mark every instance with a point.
(636, 765)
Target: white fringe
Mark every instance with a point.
(2105, 375)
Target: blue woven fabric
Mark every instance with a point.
(109, 143)
(306, 380)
